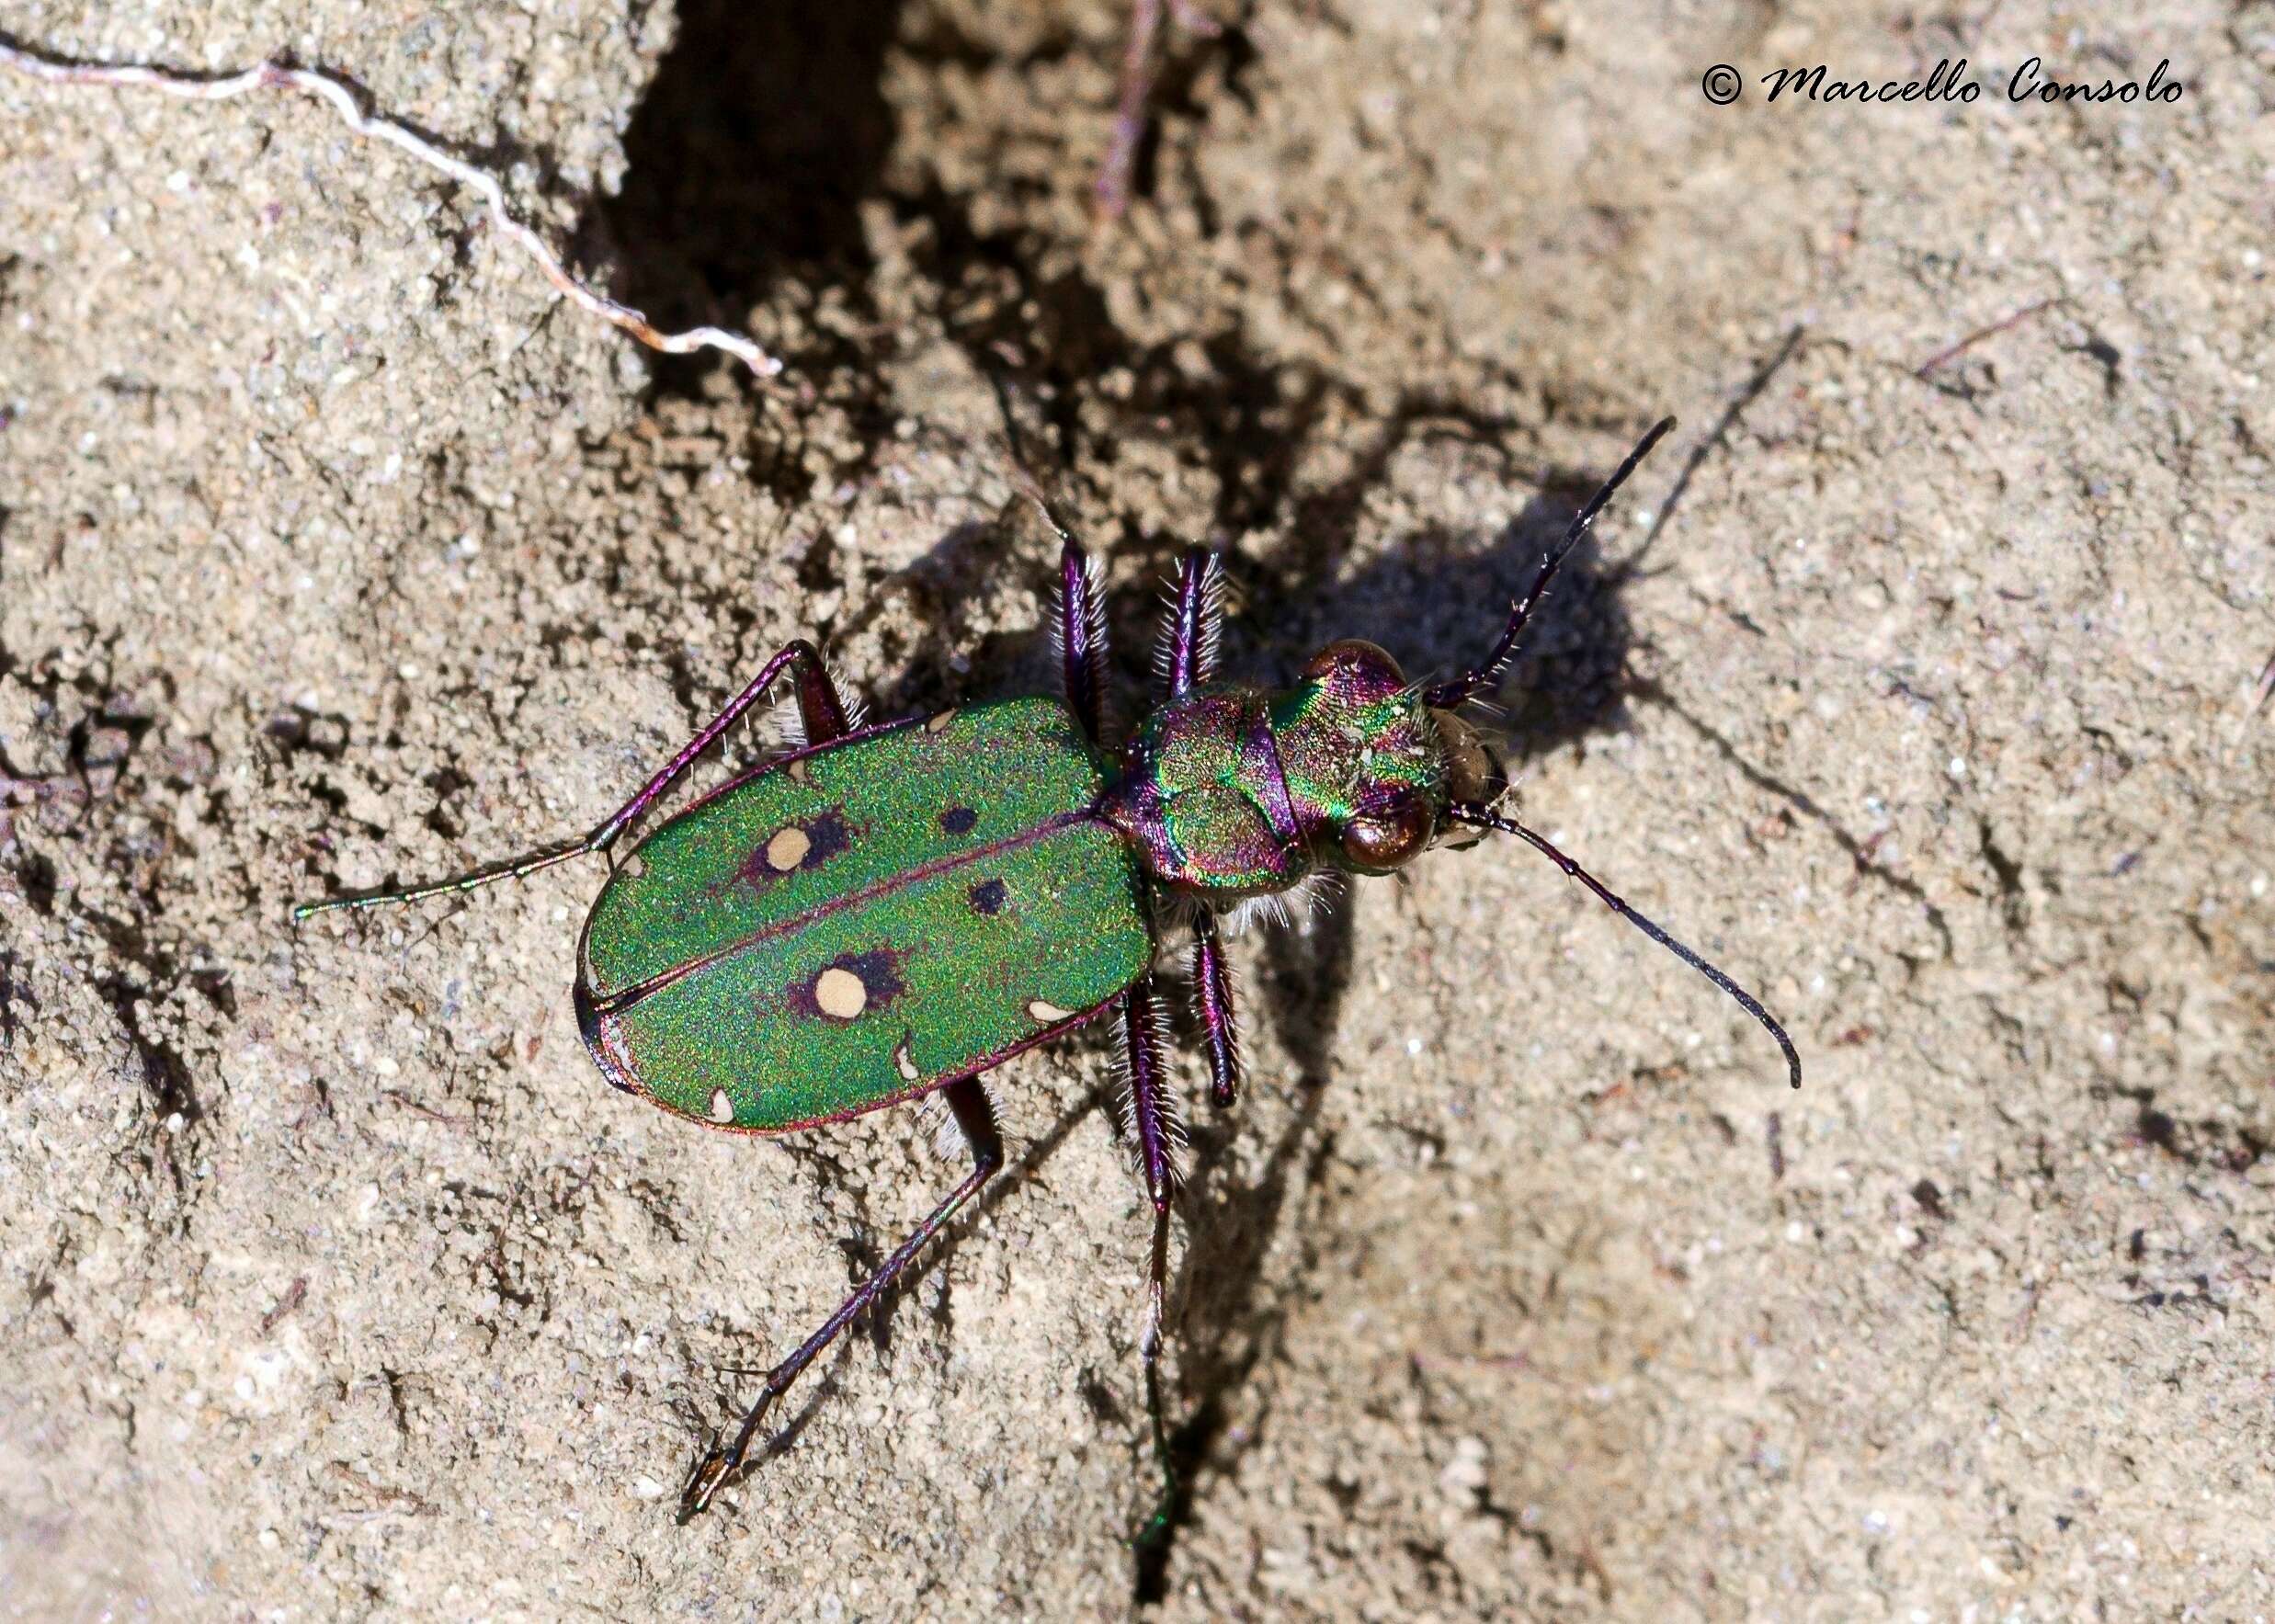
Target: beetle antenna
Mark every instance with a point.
(1445, 695)
(1480, 818)
(512, 868)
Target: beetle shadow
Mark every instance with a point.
(1437, 600)
(1422, 599)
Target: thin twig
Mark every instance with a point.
(294, 1296)
(1110, 192)
(1980, 334)
(342, 100)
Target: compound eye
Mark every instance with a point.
(1389, 836)
(1356, 654)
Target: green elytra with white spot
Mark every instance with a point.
(864, 920)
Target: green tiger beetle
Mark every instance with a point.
(893, 910)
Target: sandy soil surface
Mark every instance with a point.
(1913, 686)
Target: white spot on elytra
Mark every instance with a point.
(939, 722)
(788, 848)
(907, 1065)
(798, 771)
(722, 1107)
(840, 994)
(1043, 1011)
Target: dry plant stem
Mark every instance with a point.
(1951, 351)
(272, 75)
(1111, 190)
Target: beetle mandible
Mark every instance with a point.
(896, 910)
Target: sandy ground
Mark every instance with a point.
(334, 1284)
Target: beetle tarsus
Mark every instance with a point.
(709, 1476)
(967, 1099)
(1164, 1517)
(697, 1492)
(490, 874)
(719, 1466)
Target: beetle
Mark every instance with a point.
(892, 911)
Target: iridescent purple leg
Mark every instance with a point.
(968, 1100)
(1188, 641)
(1188, 651)
(1082, 638)
(818, 704)
(1160, 1136)
(1213, 994)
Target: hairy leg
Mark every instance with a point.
(824, 715)
(968, 1100)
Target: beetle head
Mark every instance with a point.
(1371, 769)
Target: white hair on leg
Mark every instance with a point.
(1211, 627)
(850, 698)
(949, 1143)
(785, 725)
(1175, 1136)
(1177, 1140)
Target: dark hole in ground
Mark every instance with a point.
(748, 159)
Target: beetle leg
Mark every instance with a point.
(818, 704)
(1212, 993)
(967, 1098)
(1082, 637)
(1188, 651)
(825, 716)
(1160, 1136)
(1153, 1121)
